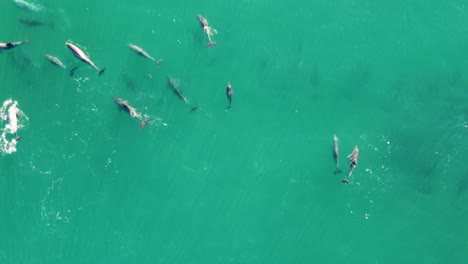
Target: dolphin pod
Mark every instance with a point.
(13, 111)
(353, 159)
(79, 52)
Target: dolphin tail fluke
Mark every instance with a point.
(338, 171)
(101, 71)
(19, 113)
(211, 44)
(144, 123)
(158, 62)
(345, 181)
(72, 71)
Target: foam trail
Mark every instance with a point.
(6, 146)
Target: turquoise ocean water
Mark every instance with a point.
(253, 184)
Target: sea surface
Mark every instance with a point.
(253, 183)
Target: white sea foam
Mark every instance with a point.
(28, 6)
(9, 113)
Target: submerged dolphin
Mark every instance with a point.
(55, 61)
(143, 53)
(10, 45)
(83, 57)
(34, 23)
(336, 154)
(353, 159)
(131, 110)
(174, 85)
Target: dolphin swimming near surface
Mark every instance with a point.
(207, 29)
(10, 45)
(336, 154)
(229, 94)
(13, 114)
(353, 159)
(131, 110)
(127, 107)
(83, 57)
(55, 61)
(143, 53)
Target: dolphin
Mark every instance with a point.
(83, 57)
(131, 110)
(353, 159)
(10, 45)
(229, 94)
(55, 61)
(143, 53)
(13, 113)
(207, 29)
(174, 85)
(335, 154)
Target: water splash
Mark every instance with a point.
(14, 119)
(28, 6)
